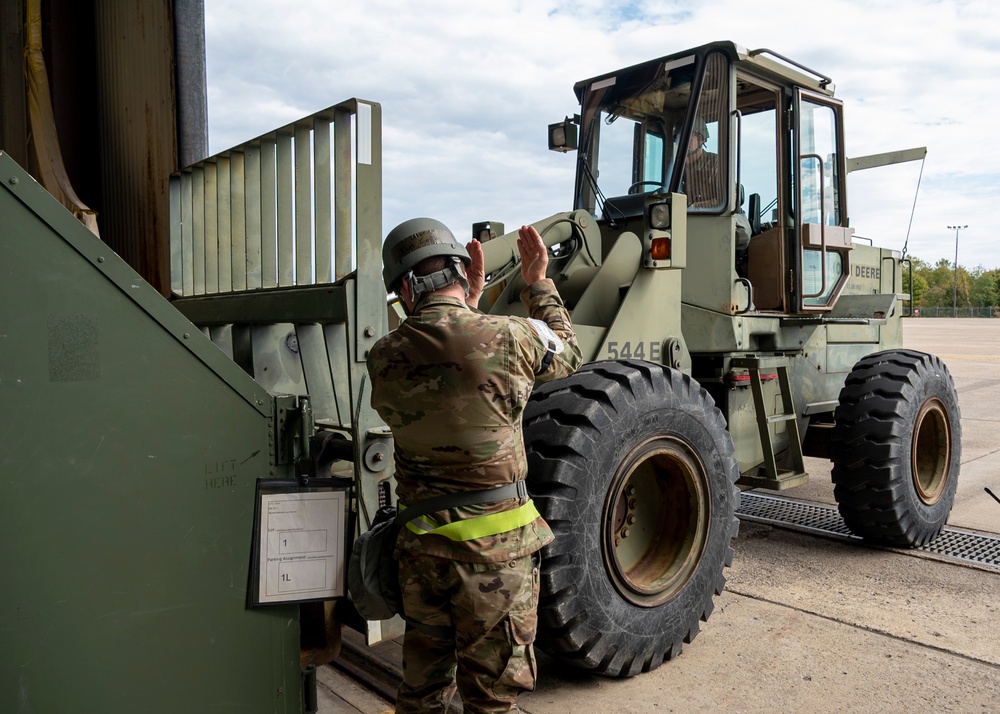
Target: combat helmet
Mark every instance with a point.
(700, 127)
(415, 240)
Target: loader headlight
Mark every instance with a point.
(487, 230)
(659, 216)
(657, 244)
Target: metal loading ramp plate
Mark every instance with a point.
(826, 521)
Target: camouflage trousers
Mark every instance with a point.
(493, 608)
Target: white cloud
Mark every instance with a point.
(467, 89)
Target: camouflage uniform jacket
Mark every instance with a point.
(452, 384)
(703, 181)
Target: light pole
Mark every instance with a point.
(954, 293)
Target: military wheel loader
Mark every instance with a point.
(727, 337)
(184, 530)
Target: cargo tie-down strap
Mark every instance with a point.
(480, 526)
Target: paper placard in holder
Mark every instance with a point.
(299, 538)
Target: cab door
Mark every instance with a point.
(822, 244)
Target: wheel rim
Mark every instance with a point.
(931, 451)
(656, 521)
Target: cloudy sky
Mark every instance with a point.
(468, 88)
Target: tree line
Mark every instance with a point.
(935, 285)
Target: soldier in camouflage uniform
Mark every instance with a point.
(452, 384)
(702, 171)
(704, 185)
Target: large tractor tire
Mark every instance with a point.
(896, 448)
(631, 465)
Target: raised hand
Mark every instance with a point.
(476, 273)
(534, 256)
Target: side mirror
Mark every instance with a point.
(563, 136)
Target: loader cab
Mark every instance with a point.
(796, 208)
(754, 142)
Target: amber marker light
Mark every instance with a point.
(659, 249)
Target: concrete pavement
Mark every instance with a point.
(809, 624)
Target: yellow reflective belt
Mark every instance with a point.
(480, 526)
